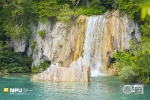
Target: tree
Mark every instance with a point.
(16, 16)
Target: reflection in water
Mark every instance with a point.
(100, 88)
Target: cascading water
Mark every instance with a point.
(93, 44)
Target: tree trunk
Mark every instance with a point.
(87, 3)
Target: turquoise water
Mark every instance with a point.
(100, 88)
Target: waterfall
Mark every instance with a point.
(95, 38)
(93, 44)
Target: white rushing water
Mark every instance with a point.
(93, 44)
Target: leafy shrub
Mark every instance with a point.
(130, 7)
(42, 33)
(5, 71)
(47, 8)
(15, 22)
(33, 44)
(134, 65)
(90, 11)
(145, 29)
(41, 67)
(65, 14)
(12, 62)
(129, 74)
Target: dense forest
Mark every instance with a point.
(16, 16)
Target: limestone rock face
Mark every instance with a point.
(118, 32)
(38, 52)
(81, 25)
(76, 72)
(19, 45)
(93, 38)
(57, 46)
(61, 44)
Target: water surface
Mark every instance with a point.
(100, 88)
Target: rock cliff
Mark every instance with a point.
(94, 38)
(61, 44)
(118, 32)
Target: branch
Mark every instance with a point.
(76, 5)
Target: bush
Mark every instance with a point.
(42, 33)
(145, 29)
(33, 44)
(134, 65)
(5, 71)
(66, 15)
(12, 62)
(41, 67)
(130, 7)
(129, 74)
(96, 8)
(90, 11)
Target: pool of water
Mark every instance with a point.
(100, 88)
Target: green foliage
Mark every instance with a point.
(11, 62)
(16, 17)
(108, 4)
(16, 31)
(55, 9)
(33, 44)
(95, 4)
(136, 9)
(123, 59)
(95, 8)
(1, 44)
(92, 11)
(80, 10)
(145, 28)
(134, 65)
(5, 71)
(89, 11)
(130, 7)
(47, 8)
(41, 67)
(129, 74)
(65, 14)
(42, 33)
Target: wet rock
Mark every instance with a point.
(77, 72)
